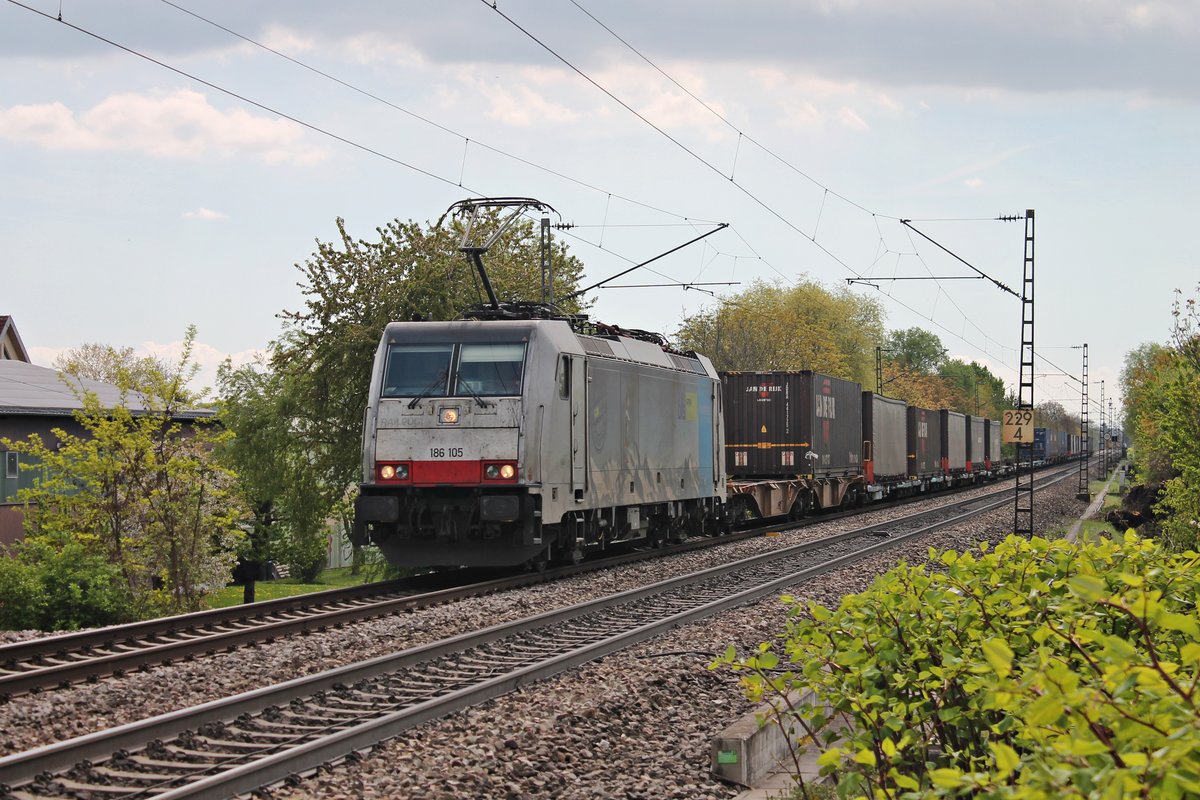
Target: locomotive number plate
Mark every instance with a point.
(446, 452)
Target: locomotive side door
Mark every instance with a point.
(578, 382)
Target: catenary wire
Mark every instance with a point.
(712, 167)
(296, 120)
(743, 189)
(741, 133)
(424, 119)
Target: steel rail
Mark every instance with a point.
(287, 758)
(87, 656)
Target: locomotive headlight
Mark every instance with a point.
(449, 416)
(499, 471)
(392, 472)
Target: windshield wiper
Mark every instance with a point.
(428, 389)
(465, 385)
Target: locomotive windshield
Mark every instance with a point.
(475, 369)
(490, 369)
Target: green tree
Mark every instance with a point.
(353, 288)
(1162, 404)
(769, 326)
(971, 384)
(283, 498)
(1051, 414)
(102, 362)
(298, 418)
(141, 488)
(1142, 389)
(916, 350)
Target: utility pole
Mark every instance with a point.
(1103, 463)
(878, 370)
(547, 267)
(1084, 470)
(1112, 459)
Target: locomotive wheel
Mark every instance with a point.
(540, 562)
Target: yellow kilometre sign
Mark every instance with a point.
(1018, 426)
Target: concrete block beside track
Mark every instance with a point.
(751, 748)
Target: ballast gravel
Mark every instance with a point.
(634, 724)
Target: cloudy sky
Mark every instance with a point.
(139, 197)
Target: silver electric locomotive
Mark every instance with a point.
(508, 442)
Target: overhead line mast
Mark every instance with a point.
(1023, 502)
(1084, 438)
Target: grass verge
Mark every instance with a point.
(287, 587)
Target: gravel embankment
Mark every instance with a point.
(635, 724)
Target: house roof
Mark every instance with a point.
(11, 346)
(32, 390)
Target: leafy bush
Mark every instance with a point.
(1038, 670)
(60, 583)
(21, 600)
(304, 552)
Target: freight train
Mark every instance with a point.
(493, 442)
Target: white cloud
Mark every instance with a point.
(287, 40)
(205, 214)
(179, 125)
(989, 163)
(799, 116)
(381, 48)
(523, 107)
(850, 118)
(973, 183)
(205, 356)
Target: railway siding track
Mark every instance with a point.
(37, 664)
(262, 737)
(57, 661)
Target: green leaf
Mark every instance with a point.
(865, 756)
(1180, 622)
(999, 656)
(1087, 587)
(946, 778)
(1006, 759)
(1046, 709)
(830, 757)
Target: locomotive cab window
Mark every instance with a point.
(417, 369)
(441, 370)
(491, 369)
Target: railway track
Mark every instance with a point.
(262, 737)
(59, 661)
